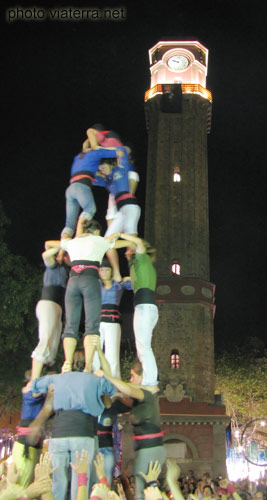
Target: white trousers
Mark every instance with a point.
(144, 321)
(110, 335)
(125, 221)
(49, 315)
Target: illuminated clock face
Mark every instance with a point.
(178, 63)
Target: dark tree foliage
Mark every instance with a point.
(241, 378)
(20, 285)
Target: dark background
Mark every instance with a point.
(58, 78)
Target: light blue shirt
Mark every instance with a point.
(76, 391)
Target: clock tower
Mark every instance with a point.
(178, 116)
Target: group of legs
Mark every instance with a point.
(84, 290)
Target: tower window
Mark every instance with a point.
(176, 175)
(175, 359)
(176, 268)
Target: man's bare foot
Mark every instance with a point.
(66, 367)
(117, 277)
(60, 256)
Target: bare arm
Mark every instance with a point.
(49, 255)
(119, 243)
(44, 414)
(48, 496)
(52, 244)
(140, 247)
(151, 388)
(133, 181)
(123, 244)
(91, 134)
(86, 146)
(103, 361)
(173, 472)
(225, 483)
(125, 387)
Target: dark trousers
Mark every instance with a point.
(82, 290)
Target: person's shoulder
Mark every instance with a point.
(116, 285)
(142, 256)
(149, 396)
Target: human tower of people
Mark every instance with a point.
(83, 403)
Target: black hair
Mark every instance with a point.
(137, 368)
(98, 126)
(207, 486)
(113, 135)
(110, 161)
(105, 263)
(90, 226)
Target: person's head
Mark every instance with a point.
(186, 487)
(78, 361)
(98, 126)
(206, 477)
(258, 495)
(91, 227)
(105, 270)
(200, 485)
(106, 165)
(136, 373)
(63, 260)
(192, 486)
(132, 480)
(207, 491)
(113, 135)
(129, 252)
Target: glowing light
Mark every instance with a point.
(176, 268)
(263, 424)
(187, 88)
(192, 88)
(175, 359)
(238, 468)
(176, 175)
(157, 89)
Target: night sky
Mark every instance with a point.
(60, 77)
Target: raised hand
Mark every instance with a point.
(152, 493)
(82, 462)
(153, 472)
(99, 465)
(99, 373)
(100, 490)
(43, 469)
(173, 470)
(39, 487)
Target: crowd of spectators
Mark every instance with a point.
(161, 483)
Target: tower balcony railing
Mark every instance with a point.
(187, 88)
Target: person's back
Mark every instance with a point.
(77, 404)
